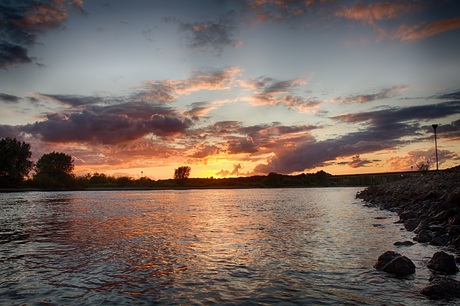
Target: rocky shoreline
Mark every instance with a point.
(428, 205)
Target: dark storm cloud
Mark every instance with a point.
(445, 131)
(9, 131)
(8, 98)
(110, 124)
(22, 21)
(386, 129)
(11, 55)
(311, 154)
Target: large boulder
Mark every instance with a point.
(423, 236)
(442, 287)
(423, 225)
(395, 263)
(443, 263)
(411, 224)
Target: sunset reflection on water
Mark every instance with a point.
(194, 247)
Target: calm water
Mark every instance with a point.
(260, 246)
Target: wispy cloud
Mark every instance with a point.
(421, 31)
(278, 10)
(168, 90)
(377, 13)
(71, 100)
(449, 96)
(364, 98)
(267, 91)
(210, 36)
(401, 114)
(199, 109)
(235, 172)
(10, 99)
(374, 12)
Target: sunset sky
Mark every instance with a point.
(232, 88)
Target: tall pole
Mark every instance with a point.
(436, 145)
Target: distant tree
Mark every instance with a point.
(423, 166)
(55, 165)
(15, 162)
(182, 173)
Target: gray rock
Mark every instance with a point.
(403, 243)
(408, 214)
(385, 258)
(411, 224)
(394, 263)
(442, 287)
(423, 225)
(454, 230)
(441, 262)
(423, 236)
(442, 240)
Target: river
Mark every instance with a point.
(313, 246)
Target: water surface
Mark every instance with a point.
(255, 246)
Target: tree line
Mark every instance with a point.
(55, 171)
(51, 169)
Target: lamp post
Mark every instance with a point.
(435, 126)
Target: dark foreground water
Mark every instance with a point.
(258, 246)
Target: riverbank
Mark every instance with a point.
(428, 205)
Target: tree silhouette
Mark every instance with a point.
(182, 173)
(54, 170)
(15, 162)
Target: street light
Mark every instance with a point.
(435, 126)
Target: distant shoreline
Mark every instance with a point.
(273, 180)
(18, 190)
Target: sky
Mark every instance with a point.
(233, 87)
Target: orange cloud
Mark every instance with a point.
(370, 13)
(418, 32)
(167, 90)
(44, 15)
(410, 161)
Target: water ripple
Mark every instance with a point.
(201, 247)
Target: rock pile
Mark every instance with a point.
(428, 205)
